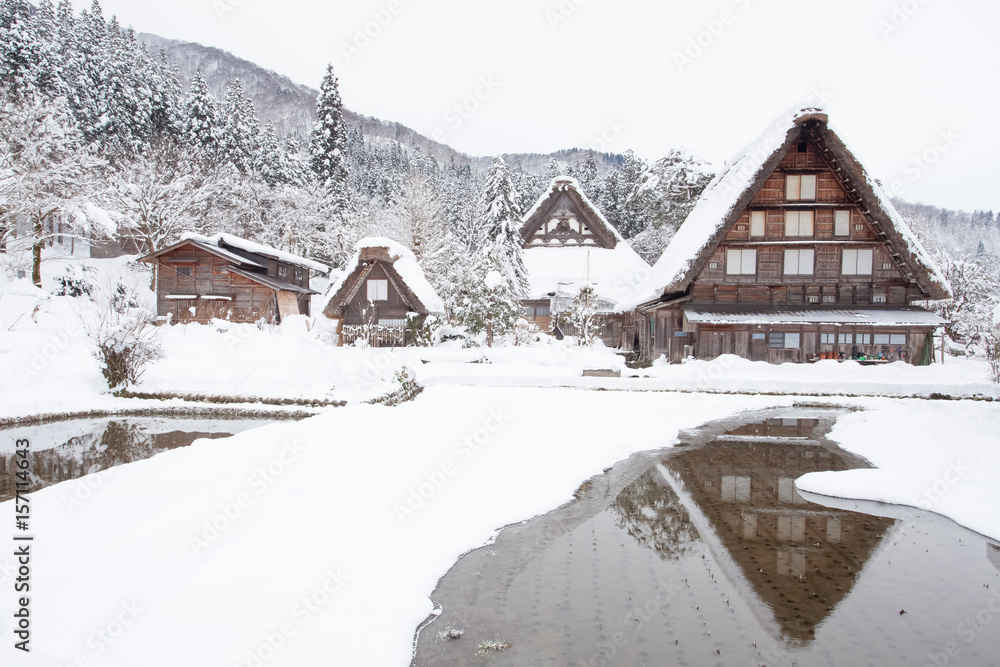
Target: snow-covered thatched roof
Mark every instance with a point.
(736, 184)
(400, 259)
(226, 241)
(571, 187)
(611, 268)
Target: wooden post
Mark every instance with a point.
(943, 335)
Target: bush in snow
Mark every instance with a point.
(991, 341)
(524, 332)
(123, 334)
(76, 280)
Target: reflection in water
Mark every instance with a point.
(800, 558)
(82, 447)
(652, 514)
(707, 555)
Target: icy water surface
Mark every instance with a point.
(73, 448)
(705, 554)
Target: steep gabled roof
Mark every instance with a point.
(732, 189)
(403, 270)
(570, 188)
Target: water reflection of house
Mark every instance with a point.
(800, 558)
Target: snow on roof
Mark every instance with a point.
(405, 264)
(714, 207)
(900, 317)
(563, 184)
(613, 272)
(729, 192)
(258, 249)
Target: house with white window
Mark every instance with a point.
(793, 253)
(381, 295)
(568, 244)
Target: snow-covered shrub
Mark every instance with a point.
(991, 342)
(124, 337)
(524, 332)
(76, 280)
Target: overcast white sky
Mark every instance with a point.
(901, 79)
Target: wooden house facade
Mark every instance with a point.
(792, 254)
(569, 244)
(200, 278)
(381, 297)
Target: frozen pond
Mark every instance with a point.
(705, 554)
(70, 449)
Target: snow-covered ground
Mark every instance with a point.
(325, 537)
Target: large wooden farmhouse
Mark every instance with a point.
(223, 276)
(381, 295)
(793, 253)
(568, 244)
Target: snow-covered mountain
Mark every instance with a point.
(292, 106)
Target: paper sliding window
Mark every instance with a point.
(857, 262)
(757, 223)
(798, 223)
(741, 262)
(378, 290)
(799, 262)
(841, 223)
(800, 187)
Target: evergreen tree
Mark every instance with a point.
(488, 301)
(328, 145)
(502, 224)
(201, 119)
(588, 178)
(239, 140)
(552, 170)
(19, 57)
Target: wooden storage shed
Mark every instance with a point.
(200, 278)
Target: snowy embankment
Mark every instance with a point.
(316, 540)
(939, 456)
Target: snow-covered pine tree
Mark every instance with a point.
(166, 116)
(529, 187)
(201, 125)
(502, 224)
(239, 139)
(488, 301)
(19, 52)
(588, 178)
(328, 145)
(552, 169)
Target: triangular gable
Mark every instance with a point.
(736, 185)
(400, 268)
(564, 215)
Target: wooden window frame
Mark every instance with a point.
(381, 286)
(838, 229)
(794, 187)
(856, 262)
(797, 253)
(743, 254)
(798, 216)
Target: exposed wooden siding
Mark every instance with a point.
(395, 307)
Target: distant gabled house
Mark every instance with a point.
(793, 253)
(381, 295)
(569, 244)
(224, 276)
